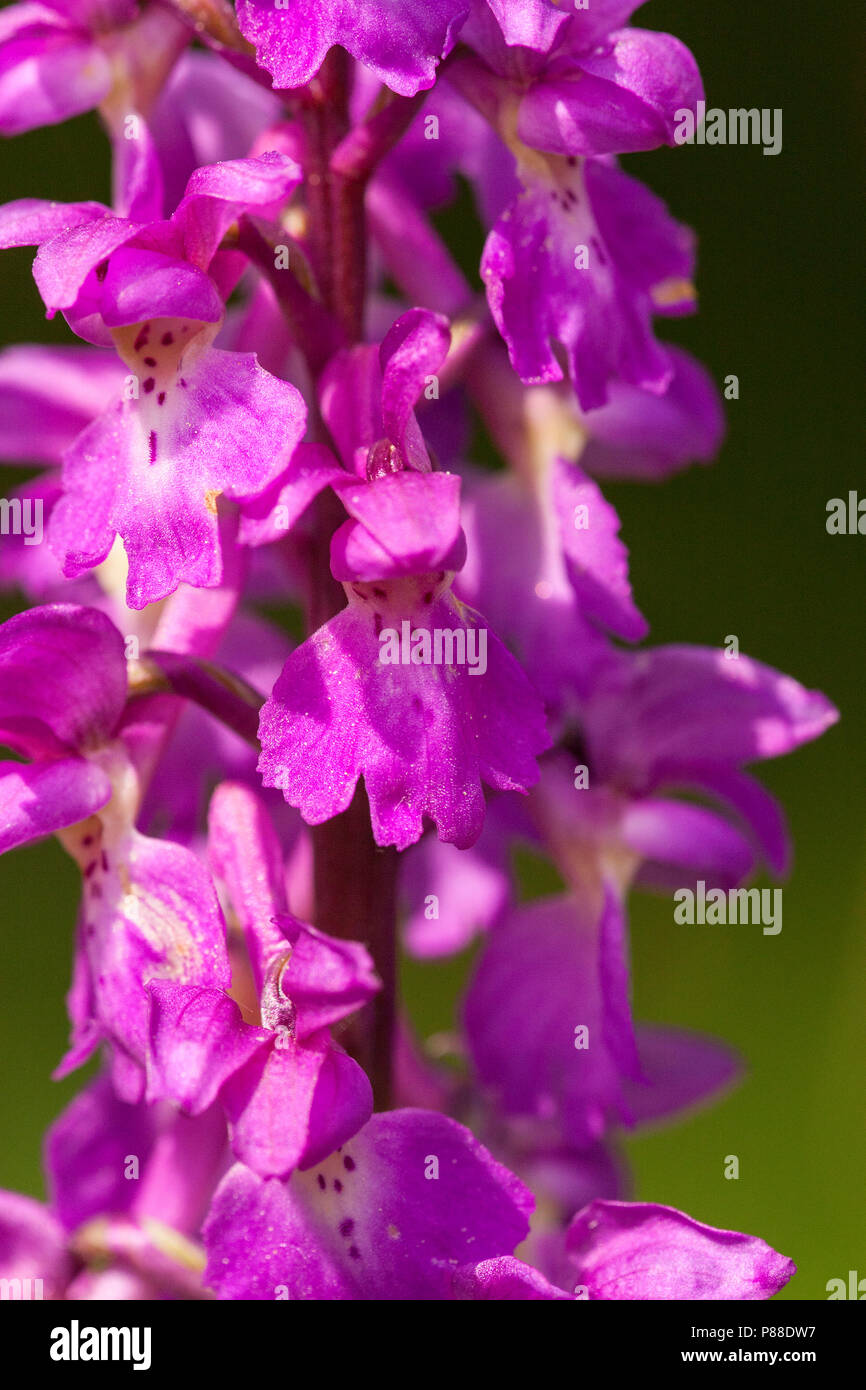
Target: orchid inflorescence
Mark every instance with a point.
(279, 406)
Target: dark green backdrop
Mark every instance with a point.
(738, 548)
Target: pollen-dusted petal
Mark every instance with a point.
(505, 1279)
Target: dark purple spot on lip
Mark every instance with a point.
(182, 383)
(141, 340)
(346, 1227)
(105, 861)
(349, 1164)
(101, 271)
(354, 1252)
(377, 623)
(428, 598)
(320, 1179)
(380, 593)
(88, 840)
(152, 442)
(149, 385)
(167, 339)
(90, 868)
(160, 400)
(571, 161)
(338, 1186)
(150, 361)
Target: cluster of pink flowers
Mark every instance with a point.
(285, 378)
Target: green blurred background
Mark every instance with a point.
(740, 547)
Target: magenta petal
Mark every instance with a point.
(422, 736)
(400, 43)
(267, 518)
(47, 76)
(86, 1151)
(37, 800)
(218, 194)
(245, 854)
(535, 984)
(151, 470)
(197, 1041)
(666, 713)
(326, 978)
(150, 913)
(595, 558)
(342, 1105)
(617, 1026)
(63, 264)
(680, 836)
(412, 351)
(640, 434)
(584, 258)
(33, 1246)
(293, 1104)
(622, 97)
(62, 679)
(763, 818)
(413, 519)
(390, 1216)
(48, 395)
(530, 24)
(350, 397)
(144, 284)
(452, 894)
(32, 221)
(635, 1250)
(681, 1068)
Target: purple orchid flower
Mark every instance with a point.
(330, 717)
(560, 266)
(291, 1095)
(576, 84)
(638, 434)
(149, 909)
(151, 469)
(61, 57)
(129, 1187)
(538, 1035)
(257, 423)
(400, 43)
